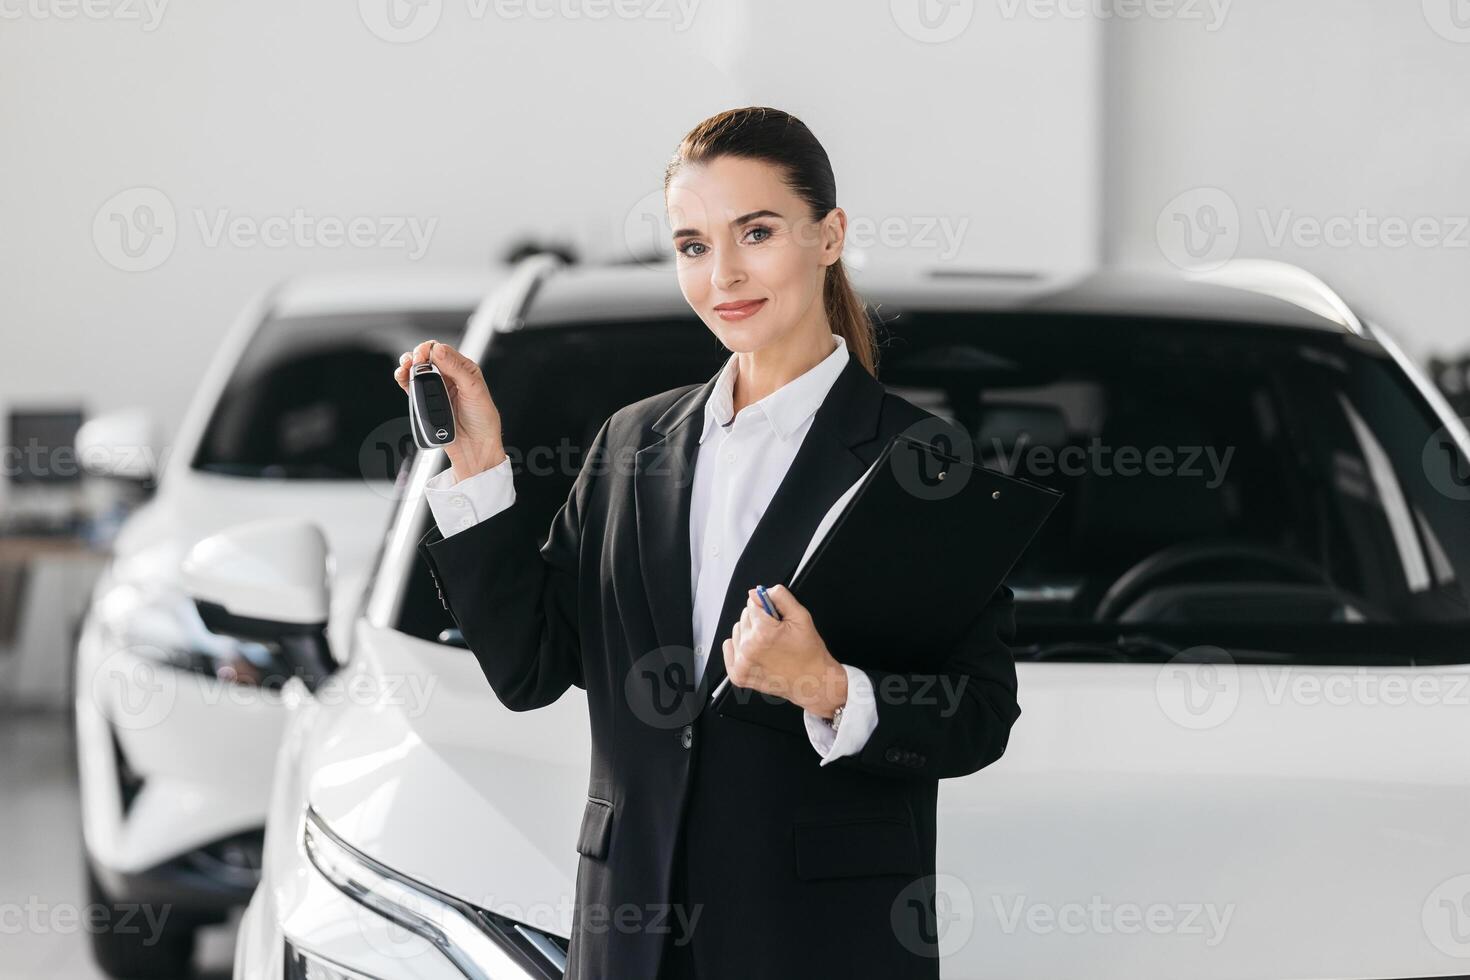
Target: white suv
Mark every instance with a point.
(1242, 649)
(177, 727)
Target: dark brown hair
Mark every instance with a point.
(782, 140)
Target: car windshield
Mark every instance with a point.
(1287, 494)
(307, 400)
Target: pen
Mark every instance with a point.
(760, 592)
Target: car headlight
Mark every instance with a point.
(301, 965)
(481, 944)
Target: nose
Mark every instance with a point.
(726, 270)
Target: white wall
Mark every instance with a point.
(489, 127)
(1295, 114)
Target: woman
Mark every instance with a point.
(710, 846)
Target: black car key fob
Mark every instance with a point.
(429, 412)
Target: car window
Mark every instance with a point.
(307, 400)
(1277, 489)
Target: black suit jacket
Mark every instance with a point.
(791, 869)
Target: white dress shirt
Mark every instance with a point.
(741, 462)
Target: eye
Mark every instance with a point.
(684, 249)
(760, 228)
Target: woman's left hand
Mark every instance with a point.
(785, 657)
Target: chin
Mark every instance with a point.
(740, 338)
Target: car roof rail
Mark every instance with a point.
(1288, 283)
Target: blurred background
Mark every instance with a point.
(168, 164)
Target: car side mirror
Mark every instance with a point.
(124, 445)
(267, 580)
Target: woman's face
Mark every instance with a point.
(740, 234)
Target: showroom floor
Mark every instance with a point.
(42, 891)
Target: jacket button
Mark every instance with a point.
(686, 736)
(893, 755)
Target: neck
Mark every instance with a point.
(760, 372)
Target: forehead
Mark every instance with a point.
(726, 188)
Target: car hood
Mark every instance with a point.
(1146, 820)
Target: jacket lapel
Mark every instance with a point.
(835, 452)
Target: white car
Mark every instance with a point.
(1242, 648)
(177, 727)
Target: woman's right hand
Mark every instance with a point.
(477, 442)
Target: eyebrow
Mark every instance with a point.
(743, 219)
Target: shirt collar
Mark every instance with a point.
(788, 406)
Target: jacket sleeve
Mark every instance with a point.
(514, 601)
(954, 722)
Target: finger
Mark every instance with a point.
(782, 600)
(400, 374)
(728, 649)
(460, 370)
(421, 352)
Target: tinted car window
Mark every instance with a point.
(1288, 491)
(308, 400)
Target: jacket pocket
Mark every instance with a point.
(856, 846)
(596, 829)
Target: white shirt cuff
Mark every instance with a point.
(457, 506)
(859, 719)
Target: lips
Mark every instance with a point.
(740, 309)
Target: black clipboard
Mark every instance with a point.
(907, 566)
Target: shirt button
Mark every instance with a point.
(730, 456)
(460, 502)
(686, 736)
(715, 550)
(466, 522)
